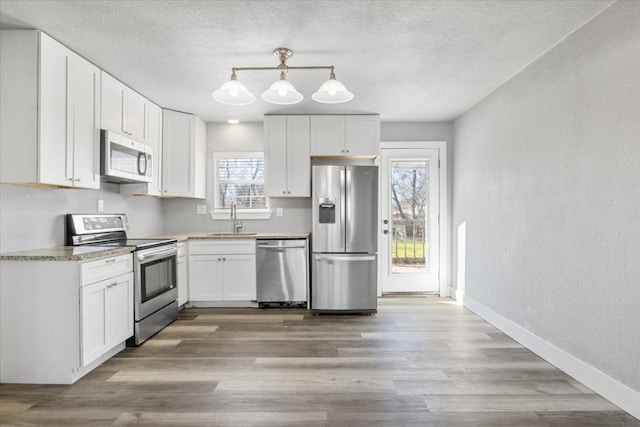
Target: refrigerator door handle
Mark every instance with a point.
(347, 208)
(344, 258)
(344, 188)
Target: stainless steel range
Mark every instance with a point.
(154, 267)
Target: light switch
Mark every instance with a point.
(100, 205)
(201, 209)
(279, 211)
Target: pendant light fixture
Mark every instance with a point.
(233, 93)
(282, 92)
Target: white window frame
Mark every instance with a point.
(243, 213)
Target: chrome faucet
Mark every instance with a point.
(237, 225)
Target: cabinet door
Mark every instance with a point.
(112, 104)
(86, 127)
(199, 159)
(298, 157)
(155, 141)
(56, 121)
(362, 136)
(135, 115)
(178, 144)
(275, 153)
(327, 135)
(119, 309)
(93, 321)
(239, 277)
(183, 284)
(204, 278)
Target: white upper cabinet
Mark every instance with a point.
(287, 158)
(345, 136)
(154, 140)
(327, 135)
(184, 153)
(123, 110)
(50, 113)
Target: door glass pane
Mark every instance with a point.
(409, 200)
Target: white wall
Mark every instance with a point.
(547, 184)
(33, 217)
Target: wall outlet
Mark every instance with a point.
(100, 205)
(279, 211)
(201, 209)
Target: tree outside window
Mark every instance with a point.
(239, 178)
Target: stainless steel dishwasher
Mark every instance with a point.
(282, 272)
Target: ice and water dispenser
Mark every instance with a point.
(327, 210)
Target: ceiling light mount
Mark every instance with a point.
(282, 92)
(283, 54)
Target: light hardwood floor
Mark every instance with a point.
(420, 361)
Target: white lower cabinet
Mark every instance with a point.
(61, 319)
(222, 271)
(182, 273)
(107, 315)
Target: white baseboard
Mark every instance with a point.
(609, 388)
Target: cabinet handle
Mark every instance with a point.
(219, 259)
(110, 260)
(112, 285)
(284, 192)
(224, 259)
(347, 150)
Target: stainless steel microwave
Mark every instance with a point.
(124, 159)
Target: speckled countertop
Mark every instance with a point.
(81, 253)
(67, 253)
(226, 236)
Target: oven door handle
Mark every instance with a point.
(142, 257)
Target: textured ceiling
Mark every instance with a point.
(407, 60)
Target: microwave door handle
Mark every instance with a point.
(140, 157)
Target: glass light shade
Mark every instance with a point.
(233, 93)
(282, 93)
(332, 92)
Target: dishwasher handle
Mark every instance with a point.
(301, 245)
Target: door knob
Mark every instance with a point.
(386, 231)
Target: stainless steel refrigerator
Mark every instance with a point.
(344, 239)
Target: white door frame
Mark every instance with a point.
(443, 229)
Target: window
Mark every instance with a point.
(239, 177)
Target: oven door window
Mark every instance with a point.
(158, 277)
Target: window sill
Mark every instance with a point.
(253, 214)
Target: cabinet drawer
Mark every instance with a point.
(104, 268)
(212, 247)
(182, 249)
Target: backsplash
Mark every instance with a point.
(33, 217)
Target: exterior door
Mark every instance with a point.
(410, 220)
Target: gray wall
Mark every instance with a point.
(547, 183)
(180, 214)
(33, 217)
